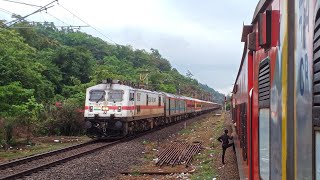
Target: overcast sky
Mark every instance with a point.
(202, 36)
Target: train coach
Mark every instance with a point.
(114, 110)
(276, 95)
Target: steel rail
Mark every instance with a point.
(16, 162)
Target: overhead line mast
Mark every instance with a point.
(47, 6)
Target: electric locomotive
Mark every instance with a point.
(114, 110)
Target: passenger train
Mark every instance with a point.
(114, 110)
(276, 95)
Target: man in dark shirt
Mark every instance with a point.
(224, 139)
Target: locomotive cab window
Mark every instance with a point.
(264, 119)
(97, 95)
(115, 96)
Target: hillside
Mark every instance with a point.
(41, 65)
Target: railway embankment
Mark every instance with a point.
(139, 158)
(206, 164)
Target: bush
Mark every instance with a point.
(65, 120)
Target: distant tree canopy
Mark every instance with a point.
(41, 64)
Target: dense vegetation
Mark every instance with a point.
(42, 65)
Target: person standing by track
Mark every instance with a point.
(224, 139)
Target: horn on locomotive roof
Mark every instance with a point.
(107, 81)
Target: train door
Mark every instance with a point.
(316, 102)
(169, 108)
(132, 103)
(137, 103)
(244, 131)
(250, 134)
(264, 119)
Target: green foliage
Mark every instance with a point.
(66, 120)
(43, 65)
(12, 96)
(73, 63)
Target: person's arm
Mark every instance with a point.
(231, 137)
(219, 139)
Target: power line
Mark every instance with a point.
(68, 25)
(22, 3)
(57, 18)
(32, 27)
(39, 10)
(6, 11)
(87, 23)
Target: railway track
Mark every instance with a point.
(26, 166)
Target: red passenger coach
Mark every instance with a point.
(276, 95)
(259, 55)
(241, 101)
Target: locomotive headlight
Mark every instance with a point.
(105, 108)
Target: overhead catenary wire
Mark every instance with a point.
(31, 27)
(6, 11)
(17, 2)
(68, 25)
(42, 8)
(56, 18)
(47, 6)
(87, 23)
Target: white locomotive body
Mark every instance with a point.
(114, 110)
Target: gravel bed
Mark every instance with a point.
(229, 171)
(45, 160)
(107, 163)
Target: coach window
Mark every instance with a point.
(264, 119)
(159, 103)
(147, 100)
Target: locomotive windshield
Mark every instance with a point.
(115, 96)
(97, 95)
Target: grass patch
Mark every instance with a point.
(185, 131)
(136, 173)
(145, 142)
(204, 171)
(39, 145)
(205, 165)
(30, 150)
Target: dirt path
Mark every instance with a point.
(230, 169)
(206, 165)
